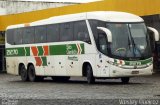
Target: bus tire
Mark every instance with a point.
(32, 74)
(23, 73)
(89, 75)
(125, 80)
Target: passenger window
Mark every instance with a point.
(28, 36)
(53, 33)
(40, 34)
(10, 36)
(66, 32)
(81, 31)
(94, 24)
(18, 36)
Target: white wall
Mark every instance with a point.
(2, 8)
(2, 11)
(13, 7)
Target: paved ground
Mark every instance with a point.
(16, 92)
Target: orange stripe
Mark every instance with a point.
(46, 50)
(34, 50)
(38, 61)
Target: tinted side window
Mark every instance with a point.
(18, 33)
(102, 43)
(94, 24)
(66, 32)
(10, 36)
(28, 35)
(40, 34)
(53, 33)
(81, 31)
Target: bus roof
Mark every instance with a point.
(108, 16)
(138, 7)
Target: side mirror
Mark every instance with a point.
(108, 33)
(155, 32)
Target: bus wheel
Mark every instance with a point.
(31, 73)
(89, 74)
(125, 80)
(23, 73)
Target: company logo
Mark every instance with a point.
(70, 50)
(73, 50)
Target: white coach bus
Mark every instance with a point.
(96, 45)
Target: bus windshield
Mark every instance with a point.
(129, 41)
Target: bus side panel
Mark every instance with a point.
(10, 65)
(73, 60)
(89, 56)
(49, 69)
(73, 65)
(60, 65)
(102, 65)
(13, 64)
(39, 69)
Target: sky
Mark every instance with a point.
(73, 1)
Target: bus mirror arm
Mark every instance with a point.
(156, 33)
(108, 33)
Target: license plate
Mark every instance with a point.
(135, 72)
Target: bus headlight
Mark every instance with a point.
(116, 62)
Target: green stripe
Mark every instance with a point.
(57, 50)
(27, 51)
(40, 50)
(44, 60)
(69, 49)
(140, 62)
(133, 63)
(82, 47)
(21, 51)
(15, 51)
(115, 61)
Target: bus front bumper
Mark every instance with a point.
(122, 72)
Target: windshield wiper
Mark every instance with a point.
(135, 48)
